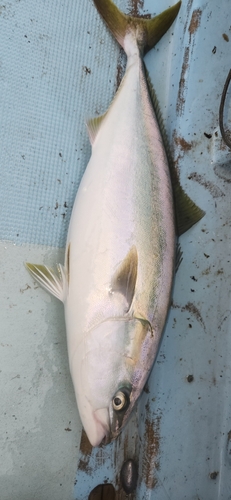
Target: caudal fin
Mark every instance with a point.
(147, 31)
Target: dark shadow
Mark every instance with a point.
(103, 492)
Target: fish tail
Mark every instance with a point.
(147, 32)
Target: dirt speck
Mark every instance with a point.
(213, 475)
(195, 21)
(86, 70)
(195, 311)
(226, 38)
(150, 462)
(190, 307)
(206, 271)
(214, 190)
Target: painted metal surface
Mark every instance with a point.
(184, 421)
(60, 65)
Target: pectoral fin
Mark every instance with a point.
(55, 283)
(124, 279)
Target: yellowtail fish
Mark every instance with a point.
(119, 263)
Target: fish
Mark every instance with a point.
(117, 278)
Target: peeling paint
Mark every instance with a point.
(134, 6)
(195, 21)
(193, 26)
(151, 443)
(180, 98)
(85, 454)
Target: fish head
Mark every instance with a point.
(109, 370)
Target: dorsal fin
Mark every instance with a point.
(124, 279)
(93, 126)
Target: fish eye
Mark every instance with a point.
(120, 401)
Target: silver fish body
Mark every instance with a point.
(119, 263)
(123, 210)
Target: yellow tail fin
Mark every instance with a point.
(147, 31)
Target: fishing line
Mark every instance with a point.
(225, 135)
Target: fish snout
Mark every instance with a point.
(99, 429)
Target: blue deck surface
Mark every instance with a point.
(59, 66)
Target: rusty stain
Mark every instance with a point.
(180, 98)
(226, 38)
(134, 6)
(85, 445)
(193, 26)
(215, 191)
(150, 462)
(195, 21)
(187, 16)
(182, 143)
(83, 465)
(85, 449)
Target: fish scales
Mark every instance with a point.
(128, 187)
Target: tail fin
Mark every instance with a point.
(147, 31)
